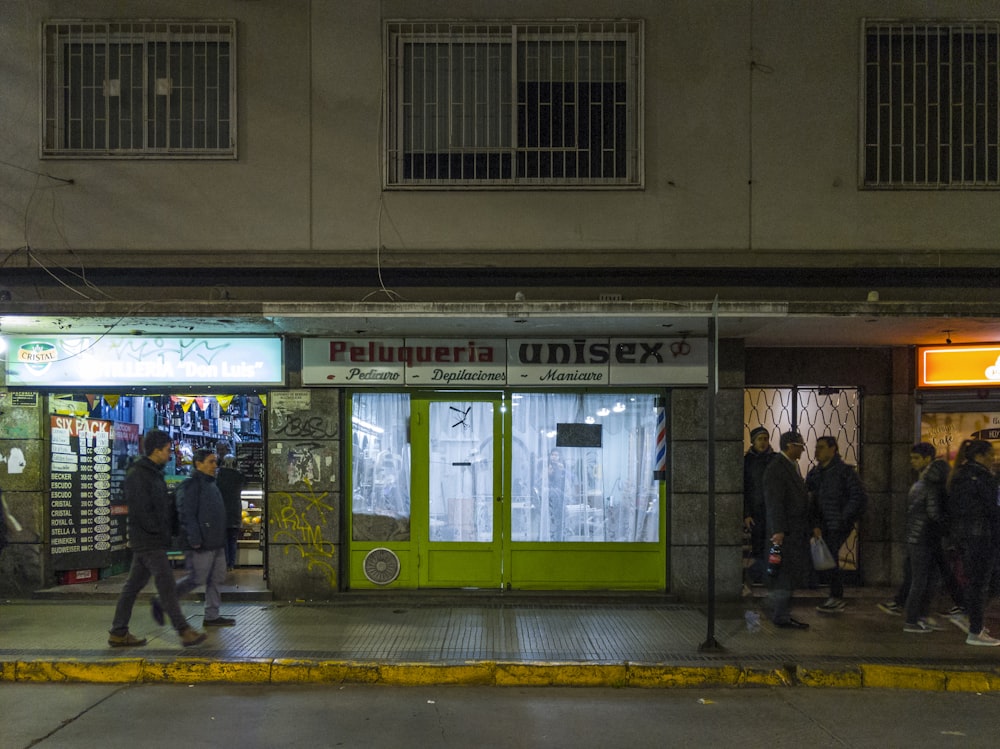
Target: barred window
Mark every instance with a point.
(931, 104)
(501, 104)
(129, 89)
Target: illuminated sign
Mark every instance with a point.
(465, 362)
(958, 366)
(95, 361)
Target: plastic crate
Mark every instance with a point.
(75, 577)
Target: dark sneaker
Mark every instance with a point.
(219, 621)
(891, 607)
(920, 628)
(157, 610)
(127, 640)
(191, 636)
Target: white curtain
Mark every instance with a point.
(380, 470)
(595, 493)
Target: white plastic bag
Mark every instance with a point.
(821, 556)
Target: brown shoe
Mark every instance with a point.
(127, 640)
(191, 636)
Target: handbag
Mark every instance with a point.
(822, 559)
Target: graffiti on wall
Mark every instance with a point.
(297, 520)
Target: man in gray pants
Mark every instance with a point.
(203, 532)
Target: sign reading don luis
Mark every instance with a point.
(112, 361)
(576, 362)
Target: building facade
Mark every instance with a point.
(774, 202)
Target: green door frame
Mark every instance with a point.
(501, 562)
(463, 562)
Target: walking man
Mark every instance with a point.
(203, 532)
(788, 526)
(838, 499)
(150, 518)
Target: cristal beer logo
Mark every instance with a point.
(37, 355)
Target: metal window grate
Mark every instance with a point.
(931, 104)
(139, 88)
(813, 412)
(525, 103)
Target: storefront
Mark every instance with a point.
(101, 394)
(958, 396)
(525, 464)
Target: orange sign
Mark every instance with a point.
(958, 366)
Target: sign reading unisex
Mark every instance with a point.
(497, 362)
(113, 361)
(958, 366)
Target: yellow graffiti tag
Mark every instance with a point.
(293, 529)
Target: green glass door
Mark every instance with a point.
(460, 534)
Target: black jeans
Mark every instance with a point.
(146, 564)
(979, 560)
(922, 573)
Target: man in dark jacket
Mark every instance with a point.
(924, 525)
(150, 517)
(838, 500)
(788, 526)
(230, 482)
(755, 461)
(203, 533)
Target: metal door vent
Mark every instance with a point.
(381, 566)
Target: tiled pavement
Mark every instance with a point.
(500, 638)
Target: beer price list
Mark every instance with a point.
(83, 528)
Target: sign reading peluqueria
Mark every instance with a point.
(467, 362)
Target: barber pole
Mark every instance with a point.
(660, 471)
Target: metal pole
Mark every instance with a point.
(711, 644)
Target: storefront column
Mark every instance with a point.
(304, 493)
(688, 494)
(25, 563)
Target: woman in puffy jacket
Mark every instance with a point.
(976, 529)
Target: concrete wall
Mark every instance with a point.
(688, 520)
(304, 507)
(24, 564)
(306, 188)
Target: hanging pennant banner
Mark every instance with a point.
(224, 401)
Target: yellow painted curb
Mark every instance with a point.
(196, 670)
(840, 679)
(671, 677)
(8, 671)
(286, 671)
(972, 681)
(772, 677)
(902, 677)
(93, 672)
(562, 674)
(420, 674)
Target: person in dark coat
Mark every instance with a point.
(150, 519)
(838, 500)
(203, 532)
(230, 482)
(976, 529)
(924, 524)
(787, 507)
(756, 460)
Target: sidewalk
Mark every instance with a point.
(496, 638)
